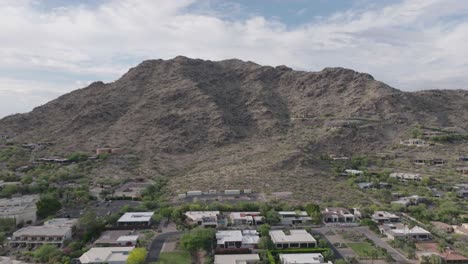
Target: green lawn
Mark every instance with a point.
(362, 249)
(174, 258)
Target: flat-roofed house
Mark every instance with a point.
(237, 259)
(292, 239)
(23, 209)
(54, 232)
(203, 218)
(337, 215)
(294, 217)
(306, 258)
(398, 230)
(136, 219)
(245, 218)
(406, 177)
(106, 255)
(383, 217)
(237, 239)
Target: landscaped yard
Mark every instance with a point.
(174, 258)
(363, 249)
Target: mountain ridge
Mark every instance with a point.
(166, 111)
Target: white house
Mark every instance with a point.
(203, 218)
(106, 255)
(337, 215)
(136, 219)
(245, 218)
(307, 258)
(23, 209)
(237, 239)
(405, 177)
(294, 217)
(394, 231)
(292, 239)
(55, 232)
(237, 259)
(383, 217)
(354, 172)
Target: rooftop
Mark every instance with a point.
(45, 230)
(295, 236)
(195, 215)
(235, 259)
(294, 213)
(246, 236)
(309, 258)
(136, 217)
(106, 254)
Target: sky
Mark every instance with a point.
(51, 47)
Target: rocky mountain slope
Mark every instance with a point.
(232, 124)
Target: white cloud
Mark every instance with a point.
(413, 44)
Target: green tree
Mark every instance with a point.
(46, 253)
(198, 238)
(2, 239)
(48, 205)
(266, 243)
(328, 255)
(89, 226)
(77, 157)
(264, 229)
(272, 217)
(137, 256)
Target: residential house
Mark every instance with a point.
(307, 258)
(414, 142)
(401, 231)
(406, 177)
(337, 215)
(442, 227)
(203, 218)
(448, 256)
(463, 193)
(23, 209)
(463, 158)
(353, 172)
(294, 217)
(245, 218)
(365, 185)
(237, 259)
(462, 170)
(383, 217)
(237, 239)
(54, 232)
(136, 219)
(117, 238)
(292, 239)
(106, 255)
(410, 200)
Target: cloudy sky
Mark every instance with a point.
(50, 47)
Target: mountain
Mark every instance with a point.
(234, 124)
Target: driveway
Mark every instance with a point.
(157, 244)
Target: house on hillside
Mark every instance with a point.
(414, 142)
(337, 215)
(136, 219)
(117, 238)
(448, 255)
(22, 209)
(406, 177)
(203, 218)
(383, 217)
(54, 232)
(294, 217)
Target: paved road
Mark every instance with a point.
(156, 245)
